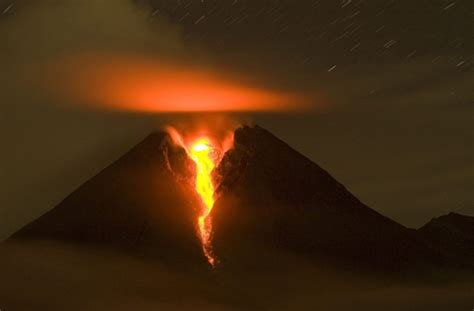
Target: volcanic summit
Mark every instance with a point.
(267, 196)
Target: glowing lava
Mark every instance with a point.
(201, 152)
(206, 151)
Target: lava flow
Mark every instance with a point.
(206, 153)
(201, 152)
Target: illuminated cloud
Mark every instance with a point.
(133, 83)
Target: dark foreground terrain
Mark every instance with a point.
(58, 277)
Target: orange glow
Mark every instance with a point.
(206, 154)
(132, 83)
(201, 153)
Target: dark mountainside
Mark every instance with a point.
(272, 194)
(453, 234)
(141, 204)
(269, 197)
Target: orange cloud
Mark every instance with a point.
(130, 83)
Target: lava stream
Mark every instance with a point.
(201, 152)
(206, 152)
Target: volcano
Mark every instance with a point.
(267, 197)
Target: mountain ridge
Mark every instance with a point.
(268, 195)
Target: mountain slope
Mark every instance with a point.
(270, 192)
(139, 204)
(270, 199)
(453, 235)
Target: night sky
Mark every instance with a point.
(391, 82)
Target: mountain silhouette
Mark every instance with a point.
(272, 194)
(141, 204)
(268, 196)
(453, 235)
